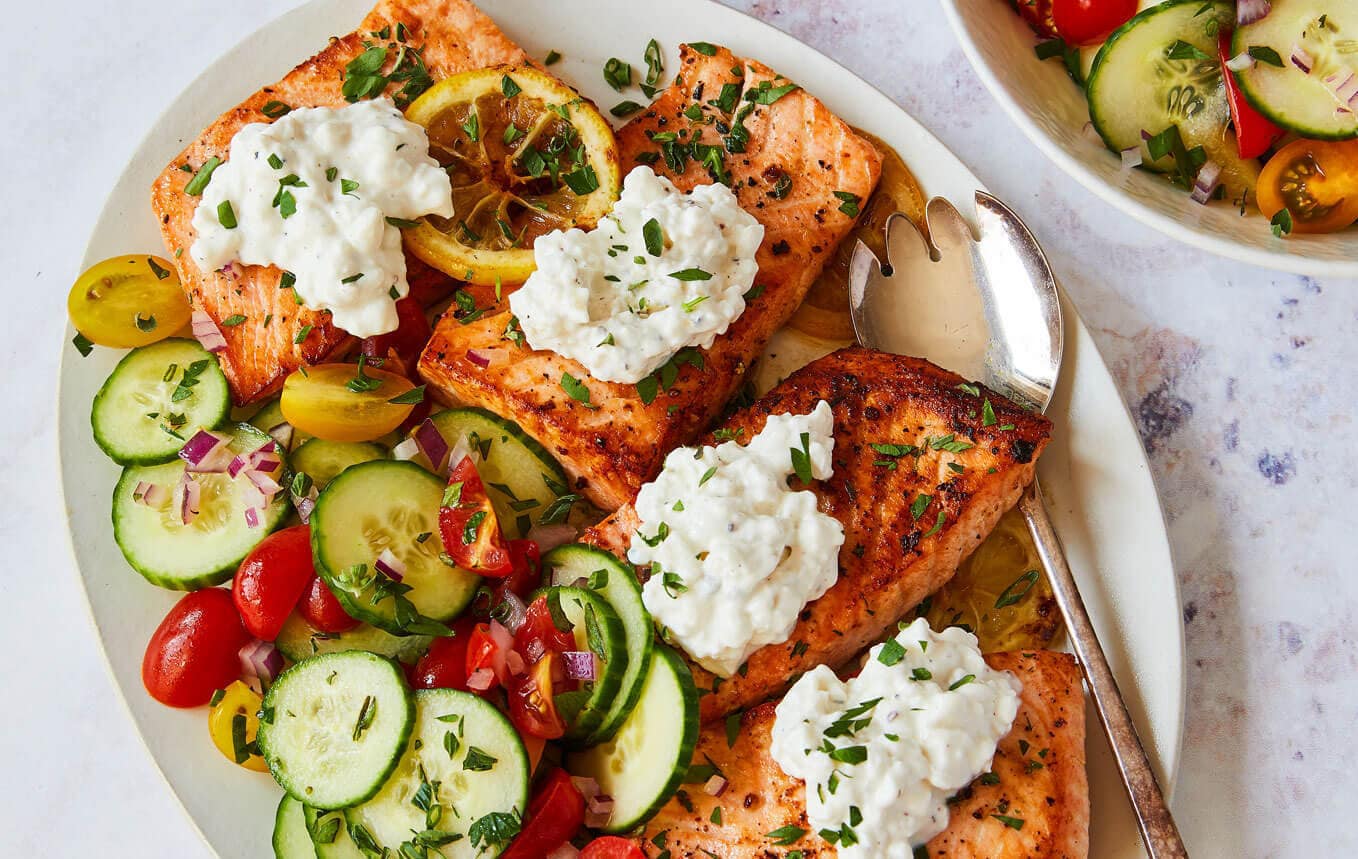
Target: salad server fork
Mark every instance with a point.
(1006, 331)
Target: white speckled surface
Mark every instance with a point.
(1237, 378)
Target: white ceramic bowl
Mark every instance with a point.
(1052, 111)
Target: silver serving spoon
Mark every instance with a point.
(1005, 330)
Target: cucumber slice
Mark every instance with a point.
(464, 759)
(1293, 99)
(522, 478)
(644, 764)
(597, 629)
(290, 837)
(136, 410)
(1135, 86)
(613, 580)
(206, 551)
(299, 640)
(329, 835)
(387, 505)
(271, 416)
(332, 727)
(324, 460)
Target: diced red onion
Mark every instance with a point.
(511, 612)
(206, 332)
(260, 660)
(1249, 11)
(580, 664)
(1131, 157)
(206, 452)
(1146, 135)
(406, 450)
(548, 537)
(150, 494)
(305, 506)
(264, 483)
(504, 643)
(282, 434)
(390, 566)
(252, 496)
(1302, 60)
(481, 679)
(598, 811)
(565, 851)
(252, 517)
(432, 444)
(514, 662)
(1240, 62)
(1344, 85)
(588, 787)
(1209, 177)
(715, 786)
(191, 495)
(478, 359)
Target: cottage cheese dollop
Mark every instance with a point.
(882, 752)
(311, 194)
(663, 271)
(735, 552)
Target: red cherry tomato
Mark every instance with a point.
(555, 814)
(319, 608)
(1088, 22)
(611, 847)
(539, 633)
(532, 707)
(470, 530)
(407, 341)
(271, 579)
(193, 652)
(445, 665)
(489, 647)
(525, 576)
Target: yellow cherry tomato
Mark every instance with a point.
(1316, 180)
(237, 700)
(345, 402)
(128, 301)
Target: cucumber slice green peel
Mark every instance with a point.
(1307, 103)
(597, 629)
(291, 837)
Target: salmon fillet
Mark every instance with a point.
(891, 558)
(619, 441)
(454, 36)
(1040, 765)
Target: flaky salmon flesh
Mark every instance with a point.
(619, 440)
(1034, 803)
(896, 551)
(454, 36)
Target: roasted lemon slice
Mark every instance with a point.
(526, 155)
(1000, 593)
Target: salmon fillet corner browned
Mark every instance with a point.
(1034, 803)
(909, 521)
(453, 36)
(618, 441)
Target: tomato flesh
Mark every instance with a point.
(611, 847)
(271, 580)
(555, 814)
(1038, 14)
(470, 529)
(532, 705)
(1088, 22)
(238, 702)
(1316, 181)
(345, 402)
(445, 665)
(525, 576)
(193, 652)
(539, 633)
(1254, 132)
(128, 301)
(322, 610)
(407, 341)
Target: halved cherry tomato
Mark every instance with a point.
(1315, 180)
(471, 532)
(1254, 132)
(345, 402)
(271, 580)
(1088, 22)
(193, 652)
(525, 562)
(239, 702)
(128, 301)
(319, 608)
(532, 707)
(539, 633)
(445, 665)
(407, 341)
(555, 814)
(611, 847)
(488, 648)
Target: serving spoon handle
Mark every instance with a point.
(1153, 817)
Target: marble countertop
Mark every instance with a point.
(1237, 378)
